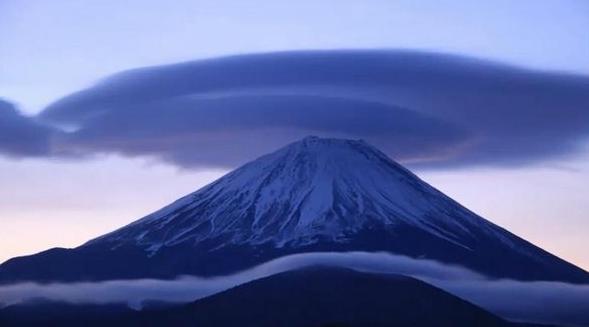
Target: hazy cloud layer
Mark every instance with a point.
(547, 302)
(426, 109)
(226, 131)
(543, 302)
(21, 136)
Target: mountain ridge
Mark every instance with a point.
(312, 195)
(313, 296)
(324, 193)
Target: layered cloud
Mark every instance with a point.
(226, 131)
(545, 302)
(22, 136)
(425, 109)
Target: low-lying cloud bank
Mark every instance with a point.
(427, 109)
(545, 302)
(542, 302)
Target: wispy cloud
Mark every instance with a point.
(546, 302)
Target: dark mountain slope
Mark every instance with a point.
(311, 297)
(312, 195)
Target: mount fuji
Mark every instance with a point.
(314, 195)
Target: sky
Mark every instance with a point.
(486, 101)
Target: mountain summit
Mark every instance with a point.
(316, 194)
(309, 191)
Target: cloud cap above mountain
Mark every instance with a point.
(427, 109)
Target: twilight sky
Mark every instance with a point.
(112, 109)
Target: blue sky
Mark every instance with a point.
(51, 49)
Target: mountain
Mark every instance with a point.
(43, 313)
(329, 297)
(312, 195)
(313, 297)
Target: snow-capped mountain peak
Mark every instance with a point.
(310, 190)
(314, 195)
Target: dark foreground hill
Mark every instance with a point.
(310, 297)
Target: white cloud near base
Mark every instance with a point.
(543, 302)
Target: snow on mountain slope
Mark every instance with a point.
(313, 188)
(314, 195)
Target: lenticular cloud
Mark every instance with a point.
(427, 109)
